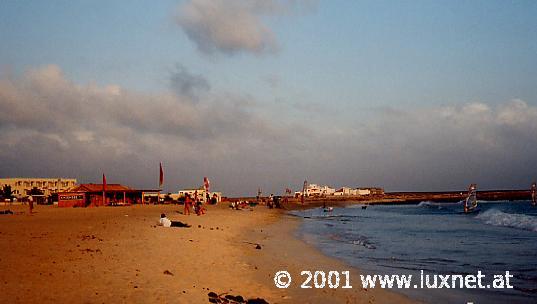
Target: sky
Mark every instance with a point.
(405, 95)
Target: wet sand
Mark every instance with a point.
(119, 254)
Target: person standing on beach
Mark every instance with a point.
(199, 208)
(186, 211)
(31, 203)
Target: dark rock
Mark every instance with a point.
(257, 246)
(256, 301)
(168, 272)
(212, 295)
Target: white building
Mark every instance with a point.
(370, 191)
(346, 191)
(363, 191)
(21, 187)
(317, 190)
(312, 190)
(200, 193)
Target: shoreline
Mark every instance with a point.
(299, 255)
(113, 254)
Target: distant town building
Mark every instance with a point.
(363, 191)
(22, 186)
(322, 191)
(374, 190)
(346, 191)
(200, 192)
(317, 190)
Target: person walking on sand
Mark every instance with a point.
(186, 211)
(31, 203)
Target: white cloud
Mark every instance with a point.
(234, 26)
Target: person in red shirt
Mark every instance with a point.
(187, 205)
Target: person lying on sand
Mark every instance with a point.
(165, 222)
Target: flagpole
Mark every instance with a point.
(104, 190)
(160, 181)
(158, 187)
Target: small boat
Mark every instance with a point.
(470, 203)
(533, 191)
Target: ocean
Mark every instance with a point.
(436, 238)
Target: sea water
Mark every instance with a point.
(438, 239)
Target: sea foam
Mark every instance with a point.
(498, 218)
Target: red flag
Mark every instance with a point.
(206, 183)
(161, 176)
(104, 183)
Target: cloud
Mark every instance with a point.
(440, 148)
(186, 84)
(272, 80)
(234, 26)
(51, 126)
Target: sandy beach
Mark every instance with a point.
(119, 254)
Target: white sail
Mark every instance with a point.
(470, 203)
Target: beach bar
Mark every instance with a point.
(91, 195)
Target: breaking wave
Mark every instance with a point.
(358, 240)
(498, 218)
(431, 205)
(426, 204)
(365, 243)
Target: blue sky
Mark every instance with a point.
(353, 52)
(325, 69)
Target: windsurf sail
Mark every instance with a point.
(533, 193)
(470, 204)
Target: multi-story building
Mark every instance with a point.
(317, 190)
(363, 191)
(370, 191)
(346, 191)
(21, 187)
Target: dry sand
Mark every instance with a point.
(118, 254)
